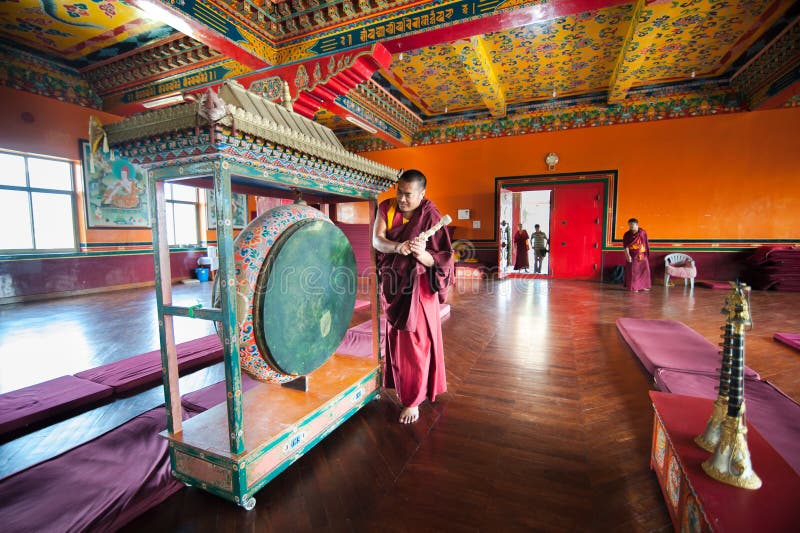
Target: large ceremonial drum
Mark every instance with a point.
(296, 289)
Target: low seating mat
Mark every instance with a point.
(357, 340)
(710, 284)
(145, 369)
(790, 339)
(98, 486)
(671, 344)
(49, 399)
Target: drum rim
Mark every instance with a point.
(259, 289)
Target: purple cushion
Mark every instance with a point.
(713, 284)
(358, 339)
(39, 402)
(774, 415)
(671, 344)
(790, 339)
(98, 486)
(145, 369)
(207, 397)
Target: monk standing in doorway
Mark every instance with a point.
(414, 276)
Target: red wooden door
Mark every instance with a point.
(576, 231)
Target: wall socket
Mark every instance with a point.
(476, 224)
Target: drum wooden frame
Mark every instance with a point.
(235, 448)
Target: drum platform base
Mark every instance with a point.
(280, 425)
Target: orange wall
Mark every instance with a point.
(56, 129)
(727, 177)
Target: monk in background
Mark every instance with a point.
(637, 257)
(521, 244)
(414, 276)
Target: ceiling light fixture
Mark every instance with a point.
(554, 92)
(155, 11)
(400, 57)
(361, 124)
(160, 102)
(445, 108)
(693, 73)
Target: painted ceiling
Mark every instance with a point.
(442, 62)
(72, 30)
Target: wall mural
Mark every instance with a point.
(116, 193)
(238, 206)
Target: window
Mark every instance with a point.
(181, 214)
(37, 203)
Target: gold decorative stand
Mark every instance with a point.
(731, 462)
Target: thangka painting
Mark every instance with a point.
(238, 207)
(116, 192)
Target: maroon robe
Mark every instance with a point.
(521, 245)
(637, 272)
(410, 294)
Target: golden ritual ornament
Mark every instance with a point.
(731, 462)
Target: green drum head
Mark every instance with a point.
(304, 297)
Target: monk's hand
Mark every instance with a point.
(420, 253)
(403, 248)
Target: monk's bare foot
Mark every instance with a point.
(409, 415)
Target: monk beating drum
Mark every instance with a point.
(415, 271)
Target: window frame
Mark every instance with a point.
(71, 193)
(169, 204)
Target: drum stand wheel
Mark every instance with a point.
(249, 504)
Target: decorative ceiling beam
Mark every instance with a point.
(341, 84)
(213, 25)
(478, 65)
(370, 107)
(311, 83)
(772, 77)
(423, 24)
(630, 58)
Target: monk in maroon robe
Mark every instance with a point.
(521, 245)
(637, 257)
(414, 276)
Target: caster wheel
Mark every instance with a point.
(249, 504)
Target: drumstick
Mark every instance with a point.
(425, 235)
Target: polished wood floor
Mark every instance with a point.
(546, 425)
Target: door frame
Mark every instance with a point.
(534, 182)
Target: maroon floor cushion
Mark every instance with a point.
(361, 304)
(145, 369)
(790, 339)
(358, 339)
(207, 397)
(98, 486)
(775, 415)
(671, 344)
(713, 284)
(46, 400)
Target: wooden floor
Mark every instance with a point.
(546, 425)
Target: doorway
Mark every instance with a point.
(569, 209)
(535, 209)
